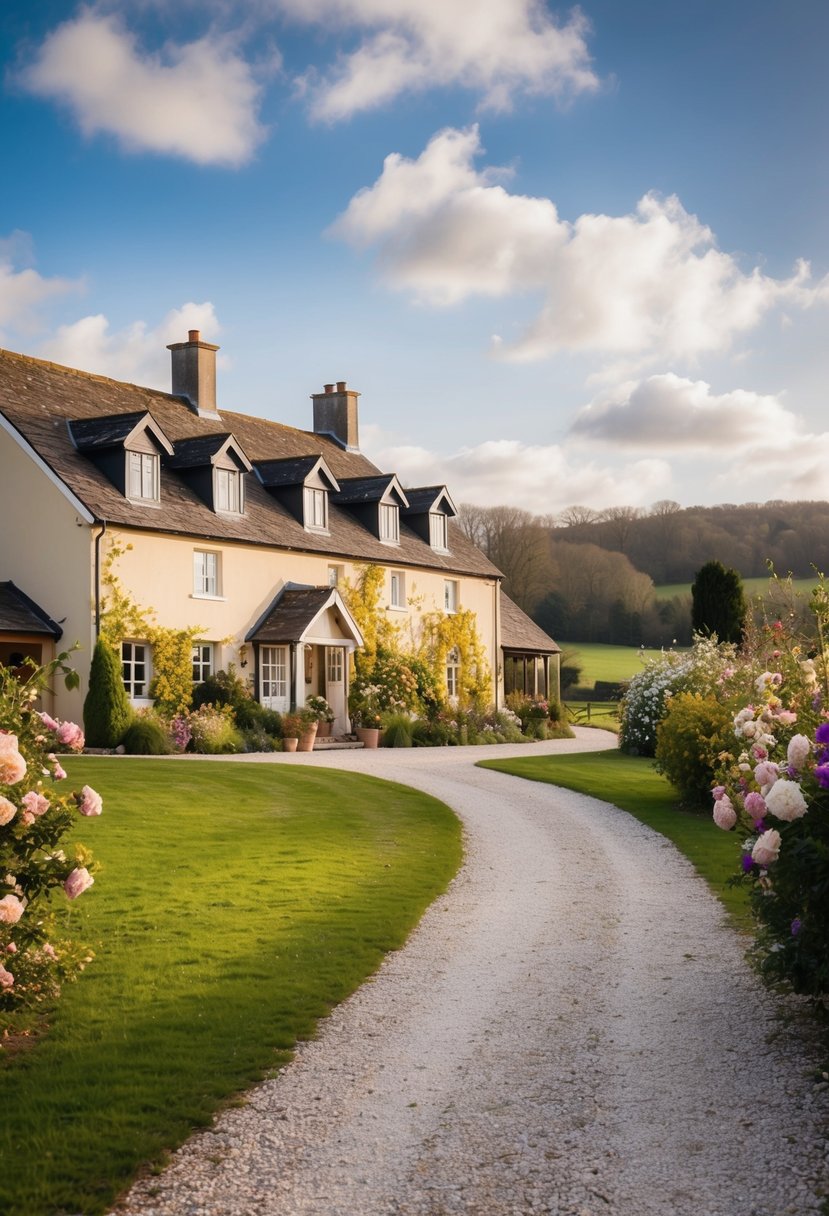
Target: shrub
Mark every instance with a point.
(213, 731)
(689, 740)
(397, 731)
(106, 709)
(147, 736)
(257, 739)
(35, 858)
(431, 732)
(223, 688)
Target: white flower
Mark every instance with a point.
(766, 848)
(785, 800)
(799, 751)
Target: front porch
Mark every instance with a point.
(301, 649)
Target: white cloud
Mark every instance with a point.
(648, 284)
(497, 48)
(22, 290)
(754, 448)
(135, 353)
(539, 478)
(668, 413)
(197, 101)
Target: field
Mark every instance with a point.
(235, 905)
(601, 662)
(753, 587)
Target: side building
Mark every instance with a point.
(238, 526)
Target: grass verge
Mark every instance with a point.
(632, 783)
(236, 905)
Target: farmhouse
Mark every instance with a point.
(239, 527)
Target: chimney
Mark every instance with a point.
(335, 414)
(194, 374)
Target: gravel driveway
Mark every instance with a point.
(570, 1030)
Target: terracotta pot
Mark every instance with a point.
(323, 730)
(306, 740)
(289, 745)
(369, 736)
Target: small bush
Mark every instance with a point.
(223, 688)
(106, 710)
(689, 740)
(256, 739)
(214, 732)
(147, 737)
(397, 731)
(426, 733)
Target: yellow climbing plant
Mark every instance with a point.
(458, 631)
(172, 683)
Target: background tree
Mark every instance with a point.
(106, 710)
(718, 603)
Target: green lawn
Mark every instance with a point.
(632, 783)
(602, 662)
(236, 905)
(751, 586)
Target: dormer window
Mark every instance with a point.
(127, 448)
(228, 493)
(315, 503)
(143, 476)
(389, 520)
(438, 531)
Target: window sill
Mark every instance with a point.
(198, 595)
(396, 608)
(144, 502)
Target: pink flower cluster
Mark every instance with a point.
(68, 734)
(12, 764)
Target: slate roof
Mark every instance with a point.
(519, 632)
(424, 498)
(39, 398)
(290, 614)
(20, 614)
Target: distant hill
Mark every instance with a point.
(670, 542)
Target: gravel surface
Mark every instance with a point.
(571, 1030)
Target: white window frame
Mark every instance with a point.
(334, 664)
(388, 518)
(143, 476)
(439, 531)
(453, 672)
(397, 589)
(315, 509)
(335, 573)
(228, 491)
(207, 571)
(202, 661)
(451, 595)
(132, 661)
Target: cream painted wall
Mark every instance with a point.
(47, 550)
(158, 572)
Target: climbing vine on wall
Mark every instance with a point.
(121, 618)
(441, 634)
(363, 598)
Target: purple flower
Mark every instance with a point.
(822, 733)
(822, 775)
(796, 925)
(748, 863)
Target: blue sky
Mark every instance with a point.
(566, 255)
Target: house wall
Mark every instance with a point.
(158, 573)
(47, 550)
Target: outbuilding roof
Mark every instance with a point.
(20, 614)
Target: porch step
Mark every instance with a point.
(334, 745)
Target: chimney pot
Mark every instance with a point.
(194, 335)
(341, 386)
(329, 388)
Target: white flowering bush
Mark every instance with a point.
(706, 668)
(772, 787)
(35, 816)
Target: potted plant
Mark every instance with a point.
(308, 730)
(324, 714)
(291, 730)
(364, 704)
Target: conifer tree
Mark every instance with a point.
(718, 603)
(106, 710)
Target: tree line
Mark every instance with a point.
(591, 576)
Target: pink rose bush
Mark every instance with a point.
(37, 876)
(773, 787)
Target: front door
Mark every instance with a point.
(335, 685)
(274, 691)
